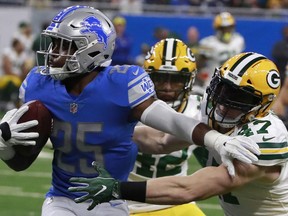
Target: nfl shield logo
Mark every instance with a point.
(73, 108)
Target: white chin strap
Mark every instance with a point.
(106, 63)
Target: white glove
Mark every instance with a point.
(239, 147)
(10, 131)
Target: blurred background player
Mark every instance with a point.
(26, 35)
(15, 66)
(280, 53)
(140, 58)
(172, 68)
(214, 50)
(280, 106)
(123, 43)
(192, 39)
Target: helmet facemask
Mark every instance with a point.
(71, 66)
(172, 87)
(229, 105)
(225, 34)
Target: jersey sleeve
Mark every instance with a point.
(205, 48)
(271, 136)
(24, 88)
(133, 83)
(140, 86)
(32, 88)
(242, 45)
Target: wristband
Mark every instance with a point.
(6, 132)
(210, 138)
(135, 191)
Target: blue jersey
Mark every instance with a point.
(94, 126)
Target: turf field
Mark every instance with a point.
(22, 193)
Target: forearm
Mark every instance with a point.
(152, 141)
(172, 143)
(175, 190)
(20, 162)
(168, 191)
(162, 117)
(148, 139)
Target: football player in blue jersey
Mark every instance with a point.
(95, 108)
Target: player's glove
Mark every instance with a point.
(238, 147)
(11, 133)
(99, 189)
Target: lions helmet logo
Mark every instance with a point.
(93, 25)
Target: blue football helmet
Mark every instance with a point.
(91, 34)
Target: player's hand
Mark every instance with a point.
(239, 147)
(12, 133)
(99, 189)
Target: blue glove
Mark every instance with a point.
(102, 188)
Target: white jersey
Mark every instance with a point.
(259, 198)
(152, 166)
(218, 52)
(17, 60)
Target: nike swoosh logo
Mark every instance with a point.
(100, 191)
(136, 72)
(266, 139)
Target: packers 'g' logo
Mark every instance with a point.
(273, 79)
(190, 55)
(149, 54)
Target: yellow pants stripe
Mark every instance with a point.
(189, 209)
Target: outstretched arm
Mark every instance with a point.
(152, 141)
(204, 183)
(201, 185)
(157, 114)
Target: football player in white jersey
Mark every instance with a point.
(172, 68)
(238, 102)
(214, 50)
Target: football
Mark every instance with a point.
(37, 111)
